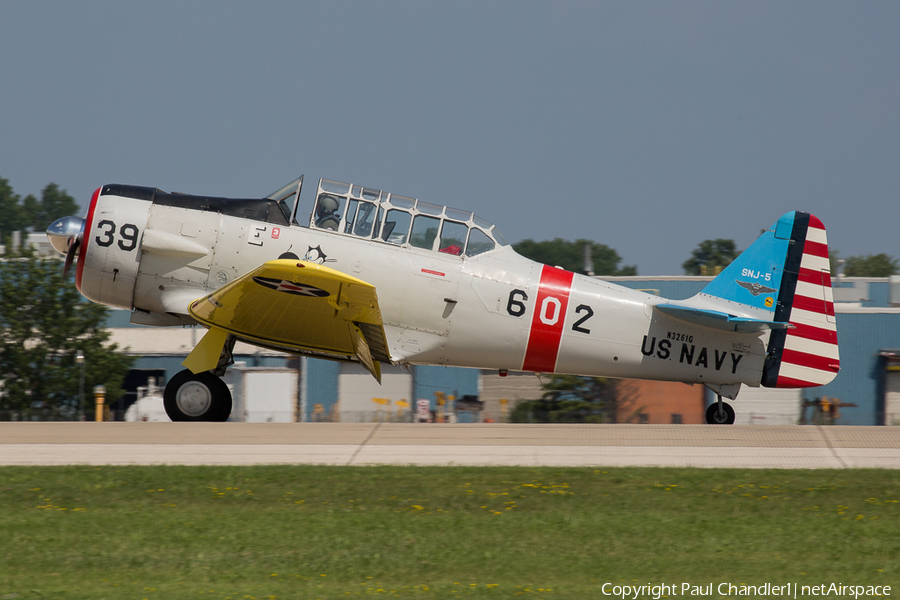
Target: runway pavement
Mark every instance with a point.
(749, 446)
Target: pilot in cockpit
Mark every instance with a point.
(325, 213)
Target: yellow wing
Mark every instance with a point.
(297, 307)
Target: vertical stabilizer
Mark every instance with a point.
(785, 277)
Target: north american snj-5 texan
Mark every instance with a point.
(375, 278)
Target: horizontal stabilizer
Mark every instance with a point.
(719, 320)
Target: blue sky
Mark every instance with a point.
(645, 126)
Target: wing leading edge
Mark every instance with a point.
(293, 306)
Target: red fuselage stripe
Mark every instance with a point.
(548, 320)
(82, 252)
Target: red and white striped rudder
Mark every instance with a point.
(806, 353)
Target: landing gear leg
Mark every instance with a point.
(200, 397)
(226, 358)
(720, 413)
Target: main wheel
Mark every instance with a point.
(200, 397)
(726, 417)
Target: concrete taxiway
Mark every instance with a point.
(750, 446)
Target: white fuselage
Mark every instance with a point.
(496, 310)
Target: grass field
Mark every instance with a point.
(337, 532)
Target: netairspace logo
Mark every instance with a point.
(786, 590)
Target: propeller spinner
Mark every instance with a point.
(65, 236)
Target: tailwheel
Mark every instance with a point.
(200, 397)
(720, 413)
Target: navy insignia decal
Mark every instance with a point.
(298, 289)
(754, 288)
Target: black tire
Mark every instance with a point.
(200, 397)
(714, 418)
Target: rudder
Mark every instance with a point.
(806, 354)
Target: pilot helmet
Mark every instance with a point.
(327, 205)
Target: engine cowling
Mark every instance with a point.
(154, 253)
(110, 253)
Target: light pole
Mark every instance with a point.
(79, 359)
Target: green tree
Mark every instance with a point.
(575, 399)
(44, 323)
(871, 265)
(55, 203)
(31, 210)
(710, 257)
(11, 214)
(17, 213)
(570, 256)
(834, 259)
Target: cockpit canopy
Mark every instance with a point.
(373, 214)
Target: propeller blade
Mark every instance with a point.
(71, 254)
(65, 236)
